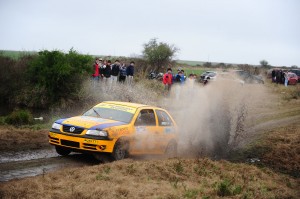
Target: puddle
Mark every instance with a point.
(14, 165)
(6, 175)
(6, 157)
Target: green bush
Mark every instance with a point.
(224, 189)
(58, 75)
(19, 117)
(12, 78)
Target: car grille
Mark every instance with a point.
(69, 143)
(89, 146)
(72, 129)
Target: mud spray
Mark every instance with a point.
(211, 118)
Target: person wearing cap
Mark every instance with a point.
(167, 80)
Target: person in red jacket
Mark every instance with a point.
(167, 80)
(95, 75)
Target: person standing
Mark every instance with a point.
(100, 66)
(95, 75)
(180, 79)
(130, 73)
(107, 75)
(273, 75)
(102, 69)
(286, 79)
(123, 74)
(278, 77)
(115, 70)
(167, 80)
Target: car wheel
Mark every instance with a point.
(62, 150)
(120, 150)
(171, 150)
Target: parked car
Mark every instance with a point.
(116, 129)
(297, 72)
(155, 75)
(292, 78)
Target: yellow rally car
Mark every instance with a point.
(117, 129)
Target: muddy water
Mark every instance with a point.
(22, 164)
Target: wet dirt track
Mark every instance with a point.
(22, 164)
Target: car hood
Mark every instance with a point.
(89, 122)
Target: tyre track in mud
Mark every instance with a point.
(15, 165)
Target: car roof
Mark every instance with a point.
(128, 104)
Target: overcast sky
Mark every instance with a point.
(230, 31)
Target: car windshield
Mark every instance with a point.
(108, 113)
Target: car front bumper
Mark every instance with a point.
(81, 143)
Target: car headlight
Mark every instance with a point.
(97, 133)
(56, 126)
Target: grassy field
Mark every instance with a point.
(190, 63)
(173, 178)
(196, 70)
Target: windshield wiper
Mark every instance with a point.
(96, 112)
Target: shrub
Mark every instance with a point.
(12, 78)
(59, 75)
(19, 117)
(223, 188)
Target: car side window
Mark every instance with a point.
(146, 117)
(163, 118)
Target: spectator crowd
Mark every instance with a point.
(109, 74)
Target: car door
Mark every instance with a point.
(145, 127)
(166, 129)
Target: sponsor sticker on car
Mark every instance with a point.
(90, 141)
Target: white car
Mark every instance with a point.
(209, 75)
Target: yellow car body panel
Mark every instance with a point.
(142, 139)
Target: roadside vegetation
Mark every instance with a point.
(173, 178)
(277, 149)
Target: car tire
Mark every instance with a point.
(120, 151)
(171, 150)
(62, 150)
